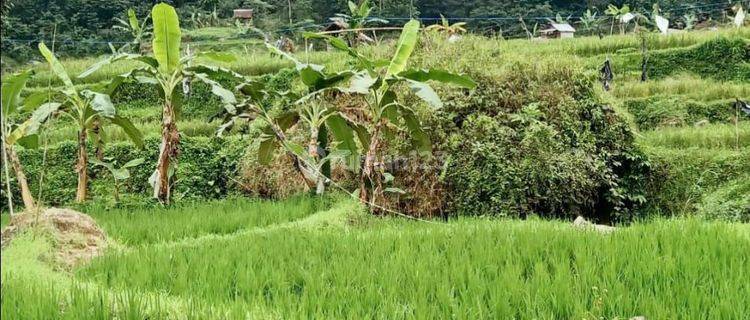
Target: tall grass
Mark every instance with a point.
(591, 46)
(468, 269)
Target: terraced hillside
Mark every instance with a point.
(483, 227)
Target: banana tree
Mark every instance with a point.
(311, 110)
(590, 21)
(167, 70)
(86, 108)
(689, 20)
(377, 83)
(358, 18)
(622, 15)
(12, 103)
(137, 29)
(453, 31)
(119, 174)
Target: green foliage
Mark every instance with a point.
(207, 167)
(656, 112)
(721, 58)
(682, 177)
(553, 151)
(730, 202)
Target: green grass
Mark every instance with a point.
(150, 129)
(686, 87)
(252, 62)
(148, 225)
(711, 136)
(465, 269)
(339, 264)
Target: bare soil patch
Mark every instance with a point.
(76, 236)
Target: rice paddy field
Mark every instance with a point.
(304, 257)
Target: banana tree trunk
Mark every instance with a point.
(299, 165)
(170, 140)
(312, 150)
(98, 142)
(82, 167)
(369, 175)
(28, 198)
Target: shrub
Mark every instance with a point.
(722, 59)
(537, 142)
(652, 113)
(681, 177)
(730, 202)
(206, 169)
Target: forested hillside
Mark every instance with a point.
(85, 27)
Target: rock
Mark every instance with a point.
(76, 236)
(582, 223)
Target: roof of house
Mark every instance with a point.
(562, 27)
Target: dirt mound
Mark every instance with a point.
(76, 236)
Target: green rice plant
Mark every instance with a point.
(198, 219)
(712, 136)
(685, 86)
(150, 129)
(472, 268)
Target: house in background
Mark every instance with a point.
(558, 31)
(243, 14)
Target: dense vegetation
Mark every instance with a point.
(86, 27)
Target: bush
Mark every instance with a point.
(722, 59)
(731, 202)
(206, 169)
(652, 113)
(552, 150)
(681, 177)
